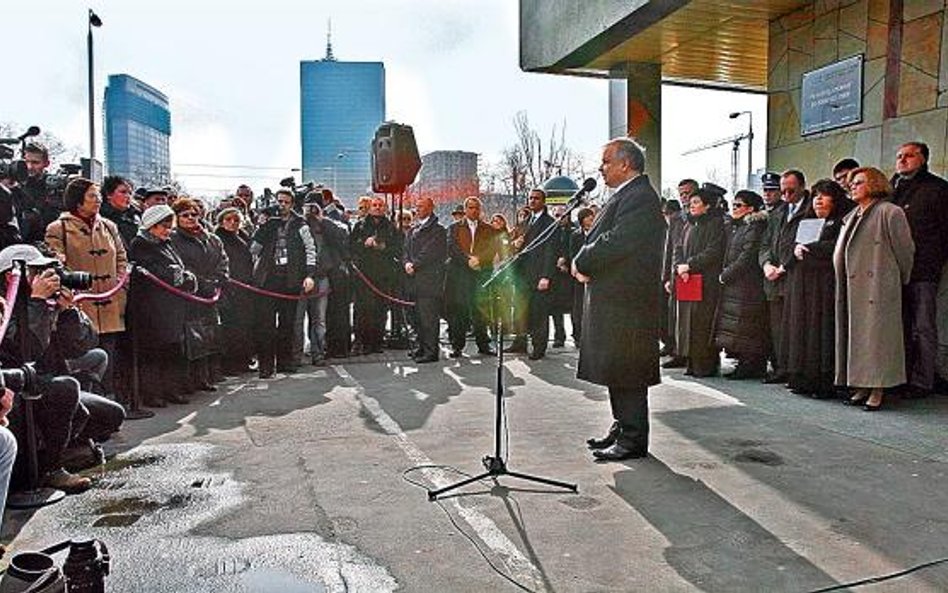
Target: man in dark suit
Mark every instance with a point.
(426, 248)
(621, 266)
(472, 246)
(775, 256)
(535, 271)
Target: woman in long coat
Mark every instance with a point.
(701, 251)
(809, 327)
(203, 255)
(873, 259)
(87, 242)
(741, 326)
(236, 306)
(157, 316)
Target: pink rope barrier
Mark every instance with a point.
(178, 292)
(279, 295)
(378, 291)
(89, 296)
(13, 288)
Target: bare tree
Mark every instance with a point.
(59, 151)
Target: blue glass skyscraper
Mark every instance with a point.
(137, 130)
(341, 105)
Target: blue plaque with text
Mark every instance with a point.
(831, 96)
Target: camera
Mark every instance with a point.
(272, 211)
(55, 184)
(9, 167)
(19, 380)
(74, 280)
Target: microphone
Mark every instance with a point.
(577, 198)
(30, 132)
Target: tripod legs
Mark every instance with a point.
(496, 467)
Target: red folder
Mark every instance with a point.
(691, 291)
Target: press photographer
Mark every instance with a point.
(58, 337)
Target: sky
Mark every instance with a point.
(231, 72)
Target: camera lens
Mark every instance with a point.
(74, 280)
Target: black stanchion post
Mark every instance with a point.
(135, 410)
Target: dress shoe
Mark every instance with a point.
(775, 378)
(601, 443)
(455, 353)
(617, 452)
(424, 359)
(857, 399)
(537, 355)
(486, 352)
(677, 362)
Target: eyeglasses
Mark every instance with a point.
(740, 205)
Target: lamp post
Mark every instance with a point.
(94, 21)
(750, 144)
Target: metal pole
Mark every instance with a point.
(91, 92)
(750, 150)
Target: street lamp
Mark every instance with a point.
(94, 21)
(750, 144)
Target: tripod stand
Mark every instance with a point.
(495, 465)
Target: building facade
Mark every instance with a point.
(341, 106)
(899, 48)
(137, 131)
(447, 176)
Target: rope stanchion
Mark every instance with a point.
(178, 292)
(279, 295)
(89, 296)
(378, 291)
(13, 287)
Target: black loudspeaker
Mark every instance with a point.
(395, 160)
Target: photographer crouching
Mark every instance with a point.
(60, 340)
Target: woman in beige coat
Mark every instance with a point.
(87, 242)
(873, 260)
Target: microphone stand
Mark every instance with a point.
(496, 465)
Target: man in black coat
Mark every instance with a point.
(535, 271)
(924, 198)
(776, 255)
(621, 265)
(426, 248)
(472, 247)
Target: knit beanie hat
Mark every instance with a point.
(156, 214)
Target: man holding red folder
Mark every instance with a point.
(621, 265)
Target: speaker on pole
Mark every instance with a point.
(395, 160)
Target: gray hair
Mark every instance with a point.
(631, 152)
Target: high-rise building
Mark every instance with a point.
(137, 130)
(341, 105)
(448, 176)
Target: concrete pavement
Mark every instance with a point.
(299, 483)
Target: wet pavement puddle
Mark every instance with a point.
(146, 504)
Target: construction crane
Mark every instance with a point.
(735, 142)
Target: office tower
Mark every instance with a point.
(137, 130)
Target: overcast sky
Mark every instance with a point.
(231, 71)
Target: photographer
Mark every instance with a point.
(58, 414)
(285, 263)
(84, 241)
(29, 198)
(331, 240)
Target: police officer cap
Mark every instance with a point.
(710, 189)
(770, 180)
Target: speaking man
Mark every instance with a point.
(621, 265)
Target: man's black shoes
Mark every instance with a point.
(603, 443)
(617, 452)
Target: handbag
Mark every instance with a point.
(200, 339)
(690, 291)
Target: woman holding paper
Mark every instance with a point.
(809, 309)
(873, 260)
(698, 260)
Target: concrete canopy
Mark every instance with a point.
(722, 44)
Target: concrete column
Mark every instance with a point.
(635, 110)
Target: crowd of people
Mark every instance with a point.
(830, 290)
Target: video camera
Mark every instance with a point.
(19, 380)
(299, 191)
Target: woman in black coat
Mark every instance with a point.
(156, 315)
(701, 251)
(741, 327)
(236, 304)
(809, 309)
(202, 254)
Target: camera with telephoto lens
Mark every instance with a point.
(74, 280)
(19, 380)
